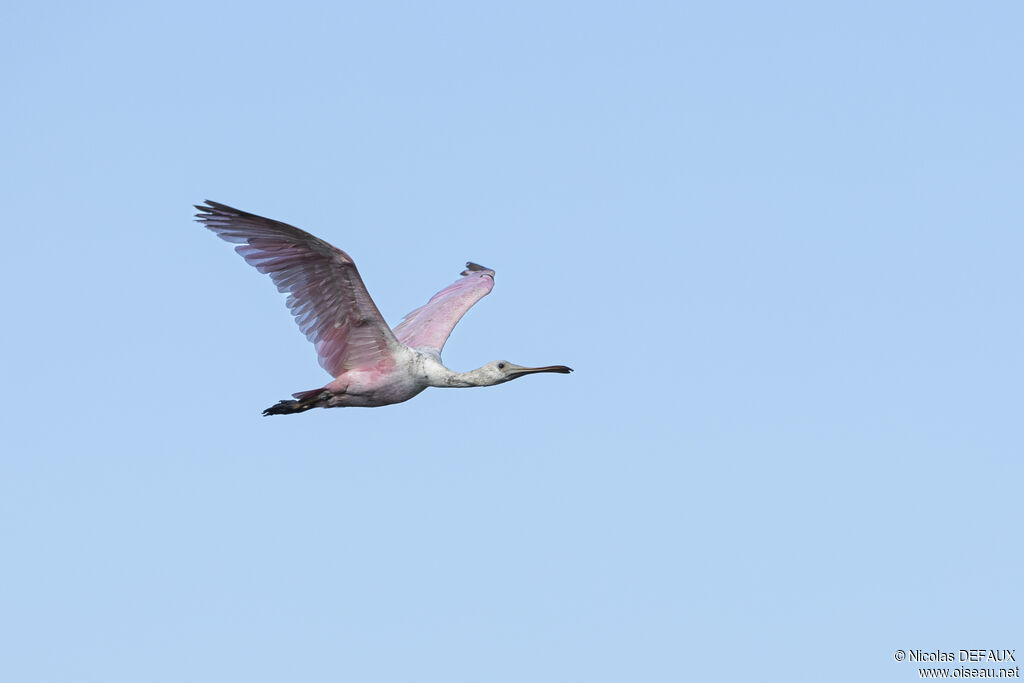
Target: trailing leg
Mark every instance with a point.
(305, 400)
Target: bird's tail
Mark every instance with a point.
(314, 398)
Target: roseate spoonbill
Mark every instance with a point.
(372, 364)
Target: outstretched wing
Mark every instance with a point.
(428, 326)
(325, 293)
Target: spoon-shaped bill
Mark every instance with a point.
(519, 371)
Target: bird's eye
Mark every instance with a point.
(501, 366)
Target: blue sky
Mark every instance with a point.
(780, 244)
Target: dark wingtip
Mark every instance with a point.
(476, 268)
(206, 209)
(210, 206)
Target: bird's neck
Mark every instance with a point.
(450, 378)
(438, 375)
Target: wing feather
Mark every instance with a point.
(429, 326)
(325, 293)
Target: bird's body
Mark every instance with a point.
(372, 364)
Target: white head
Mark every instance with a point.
(500, 371)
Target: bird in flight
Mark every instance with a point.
(372, 364)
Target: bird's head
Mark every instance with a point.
(500, 371)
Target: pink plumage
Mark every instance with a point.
(430, 325)
(371, 364)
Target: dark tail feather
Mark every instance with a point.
(306, 400)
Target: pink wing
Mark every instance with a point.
(428, 327)
(325, 293)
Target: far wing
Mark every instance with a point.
(325, 293)
(429, 326)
